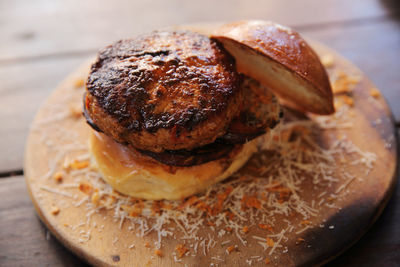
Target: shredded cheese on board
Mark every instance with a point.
(279, 192)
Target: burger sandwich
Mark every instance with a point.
(175, 111)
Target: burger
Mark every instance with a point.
(175, 111)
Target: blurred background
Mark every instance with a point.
(44, 40)
(41, 41)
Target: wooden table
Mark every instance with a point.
(42, 41)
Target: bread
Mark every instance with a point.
(210, 111)
(136, 175)
(281, 60)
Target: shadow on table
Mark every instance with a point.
(393, 6)
(381, 243)
(54, 249)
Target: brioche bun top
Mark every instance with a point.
(279, 58)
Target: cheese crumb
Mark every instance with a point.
(58, 177)
(181, 250)
(230, 249)
(327, 60)
(158, 253)
(265, 226)
(78, 165)
(375, 93)
(347, 100)
(85, 188)
(344, 84)
(270, 242)
(95, 198)
(55, 210)
(79, 83)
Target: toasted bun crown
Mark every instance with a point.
(280, 59)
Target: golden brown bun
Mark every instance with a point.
(280, 59)
(133, 174)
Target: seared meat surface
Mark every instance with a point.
(167, 90)
(192, 157)
(176, 96)
(260, 111)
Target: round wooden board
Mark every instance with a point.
(101, 241)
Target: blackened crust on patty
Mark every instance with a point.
(86, 115)
(197, 156)
(260, 112)
(166, 90)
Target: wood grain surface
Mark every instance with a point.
(355, 213)
(44, 40)
(30, 89)
(28, 243)
(22, 92)
(64, 27)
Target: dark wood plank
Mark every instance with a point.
(23, 89)
(374, 48)
(43, 27)
(24, 239)
(381, 245)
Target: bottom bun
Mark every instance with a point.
(134, 174)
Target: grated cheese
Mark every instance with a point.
(55, 191)
(265, 202)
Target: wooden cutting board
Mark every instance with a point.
(340, 211)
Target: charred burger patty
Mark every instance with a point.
(164, 91)
(176, 96)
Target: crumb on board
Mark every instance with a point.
(231, 249)
(344, 83)
(327, 60)
(265, 226)
(270, 242)
(348, 100)
(55, 210)
(78, 165)
(229, 208)
(181, 250)
(58, 176)
(374, 93)
(267, 261)
(85, 187)
(78, 83)
(115, 258)
(95, 198)
(158, 253)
